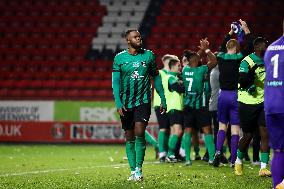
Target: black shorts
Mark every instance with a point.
(163, 120)
(140, 113)
(251, 116)
(175, 117)
(196, 117)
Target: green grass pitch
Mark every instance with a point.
(103, 166)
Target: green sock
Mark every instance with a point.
(150, 139)
(196, 150)
(182, 142)
(140, 147)
(162, 140)
(209, 143)
(131, 154)
(187, 145)
(224, 149)
(172, 144)
(264, 157)
(166, 142)
(240, 154)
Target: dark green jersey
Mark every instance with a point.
(135, 72)
(193, 80)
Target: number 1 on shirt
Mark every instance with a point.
(274, 61)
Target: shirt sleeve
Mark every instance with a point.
(244, 67)
(116, 83)
(153, 69)
(172, 80)
(115, 66)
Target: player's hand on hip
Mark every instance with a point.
(121, 110)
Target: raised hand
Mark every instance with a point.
(244, 26)
(204, 44)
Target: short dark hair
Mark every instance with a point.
(172, 63)
(188, 54)
(127, 32)
(258, 42)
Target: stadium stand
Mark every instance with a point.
(43, 48)
(45, 43)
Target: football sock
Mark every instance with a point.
(264, 158)
(240, 156)
(166, 142)
(196, 150)
(162, 141)
(172, 145)
(277, 168)
(224, 149)
(209, 143)
(131, 154)
(221, 135)
(140, 147)
(187, 145)
(234, 147)
(150, 139)
(182, 142)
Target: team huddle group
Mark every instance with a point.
(225, 88)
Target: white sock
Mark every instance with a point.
(162, 154)
(182, 152)
(263, 165)
(238, 161)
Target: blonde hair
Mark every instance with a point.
(233, 43)
(169, 57)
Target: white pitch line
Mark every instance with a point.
(66, 169)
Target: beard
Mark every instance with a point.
(136, 45)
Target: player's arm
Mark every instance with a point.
(248, 38)
(175, 85)
(116, 86)
(246, 79)
(225, 40)
(212, 60)
(154, 72)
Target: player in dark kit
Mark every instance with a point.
(132, 70)
(274, 107)
(229, 59)
(251, 108)
(195, 105)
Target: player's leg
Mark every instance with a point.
(264, 156)
(247, 120)
(163, 136)
(235, 129)
(187, 145)
(256, 148)
(128, 126)
(151, 140)
(223, 118)
(195, 142)
(204, 121)
(176, 121)
(141, 117)
(274, 123)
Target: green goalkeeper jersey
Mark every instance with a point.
(193, 80)
(135, 71)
